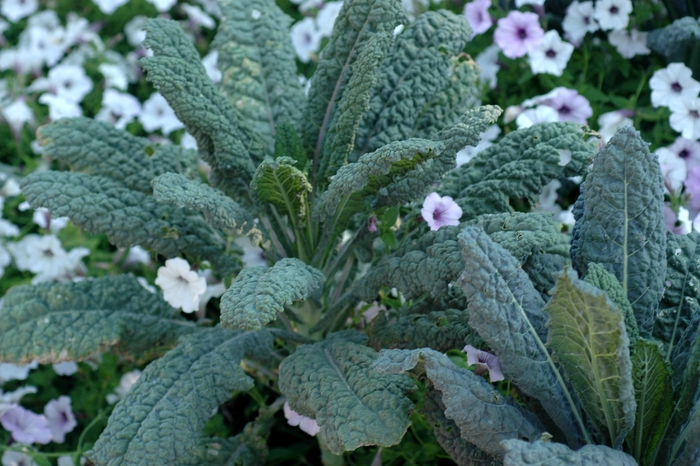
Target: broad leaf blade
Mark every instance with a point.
(652, 387)
(224, 139)
(588, 338)
(340, 138)
(219, 210)
(484, 416)
(680, 300)
(356, 23)
(162, 415)
(281, 184)
(439, 330)
(416, 70)
(518, 166)
(256, 59)
(128, 218)
(259, 293)
(334, 382)
(623, 223)
(506, 311)
(97, 148)
(556, 454)
(674, 40)
(55, 322)
(688, 441)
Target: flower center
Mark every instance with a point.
(614, 10)
(684, 154)
(587, 20)
(676, 87)
(694, 114)
(522, 33)
(564, 110)
(550, 53)
(48, 253)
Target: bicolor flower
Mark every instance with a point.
(440, 211)
(518, 33)
(484, 361)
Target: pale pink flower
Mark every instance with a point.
(477, 13)
(308, 425)
(570, 106)
(687, 149)
(60, 416)
(440, 211)
(484, 361)
(518, 33)
(673, 169)
(692, 187)
(26, 426)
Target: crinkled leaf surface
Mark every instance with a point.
(97, 148)
(55, 322)
(259, 293)
(219, 210)
(448, 434)
(162, 415)
(541, 267)
(652, 389)
(128, 218)
(352, 107)
(356, 23)
(484, 416)
(439, 330)
(288, 144)
(673, 40)
(506, 311)
(588, 338)
(279, 183)
(430, 263)
(415, 71)
(623, 225)
(334, 382)
(224, 138)
(680, 300)
(556, 454)
(518, 166)
(688, 441)
(256, 59)
(604, 280)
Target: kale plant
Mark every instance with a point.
(385, 115)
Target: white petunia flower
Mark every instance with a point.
(325, 19)
(629, 43)
(66, 81)
(114, 75)
(60, 107)
(469, 152)
(162, 5)
(579, 21)
(685, 117)
(118, 108)
(17, 114)
(610, 122)
(551, 56)
(125, 384)
(44, 44)
(306, 38)
(59, 413)
(488, 62)
(673, 84)
(210, 65)
(16, 458)
(198, 18)
(14, 10)
(308, 425)
(109, 6)
(134, 30)
(9, 371)
(157, 114)
(181, 286)
(537, 115)
(613, 14)
(65, 368)
(252, 256)
(673, 169)
(42, 217)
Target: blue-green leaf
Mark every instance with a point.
(555, 454)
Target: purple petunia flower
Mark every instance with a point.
(477, 13)
(484, 361)
(26, 426)
(60, 416)
(570, 106)
(518, 33)
(440, 211)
